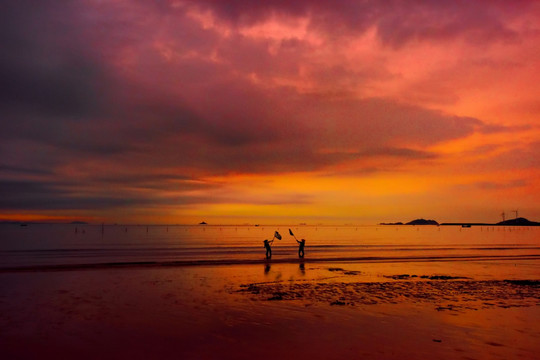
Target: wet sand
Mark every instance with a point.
(443, 292)
(417, 310)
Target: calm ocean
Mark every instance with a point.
(53, 245)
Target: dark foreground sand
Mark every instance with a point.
(458, 310)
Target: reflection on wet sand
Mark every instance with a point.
(301, 269)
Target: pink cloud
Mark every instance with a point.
(196, 88)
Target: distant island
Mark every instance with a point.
(519, 222)
(414, 222)
(512, 222)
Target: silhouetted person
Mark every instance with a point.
(301, 245)
(268, 248)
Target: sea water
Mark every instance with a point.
(38, 245)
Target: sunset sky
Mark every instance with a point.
(269, 112)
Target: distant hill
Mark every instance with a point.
(422, 222)
(79, 223)
(512, 222)
(518, 222)
(414, 222)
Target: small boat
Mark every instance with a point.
(466, 225)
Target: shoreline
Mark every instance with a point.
(226, 262)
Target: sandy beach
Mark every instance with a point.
(450, 310)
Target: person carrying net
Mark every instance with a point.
(301, 244)
(268, 244)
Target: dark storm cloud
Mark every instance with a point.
(36, 195)
(444, 20)
(40, 196)
(68, 195)
(45, 67)
(397, 22)
(102, 99)
(62, 91)
(23, 170)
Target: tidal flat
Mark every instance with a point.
(371, 310)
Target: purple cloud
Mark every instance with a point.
(143, 87)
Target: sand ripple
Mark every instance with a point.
(444, 293)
